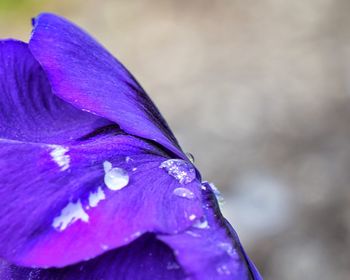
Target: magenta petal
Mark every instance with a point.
(145, 258)
(62, 209)
(28, 109)
(86, 75)
(211, 249)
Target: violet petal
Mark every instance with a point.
(86, 75)
(28, 109)
(211, 248)
(63, 206)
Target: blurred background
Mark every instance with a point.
(259, 92)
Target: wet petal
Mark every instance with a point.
(211, 249)
(86, 75)
(65, 203)
(145, 258)
(28, 109)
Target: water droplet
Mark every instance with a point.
(183, 192)
(107, 166)
(228, 248)
(96, 197)
(223, 270)
(217, 193)
(115, 178)
(179, 169)
(192, 233)
(128, 159)
(59, 156)
(86, 110)
(69, 215)
(192, 217)
(190, 157)
(201, 224)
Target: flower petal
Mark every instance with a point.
(28, 109)
(65, 203)
(86, 75)
(145, 258)
(211, 249)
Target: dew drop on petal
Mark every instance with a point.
(192, 217)
(181, 170)
(128, 159)
(201, 224)
(107, 166)
(194, 234)
(227, 247)
(183, 192)
(217, 193)
(96, 197)
(115, 178)
(71, 213)
(190, 157)
(223, 270)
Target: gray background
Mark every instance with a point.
(259, 92)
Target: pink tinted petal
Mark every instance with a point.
(58, 207)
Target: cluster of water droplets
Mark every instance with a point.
(223, 270)
(181, 170)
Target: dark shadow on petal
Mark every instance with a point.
(145, 258)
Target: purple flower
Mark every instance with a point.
(93, 183)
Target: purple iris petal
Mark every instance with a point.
(78, 200)
(210, 249)
(102, 187)
(83, 73)
(29, 111)
(146, 258)
(68, 201)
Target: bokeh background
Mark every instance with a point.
(259, 92)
